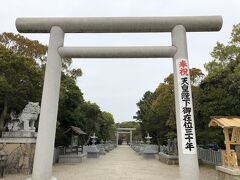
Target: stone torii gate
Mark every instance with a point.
(177, 26)
(124, 131)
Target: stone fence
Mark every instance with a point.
(210, 156)
(207, 156)
(140, 147)
(81, 150)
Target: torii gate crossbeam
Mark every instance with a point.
(178, 26)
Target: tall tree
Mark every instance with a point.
(20, 79)
(106, 126)
(221, 87)
(23, 46)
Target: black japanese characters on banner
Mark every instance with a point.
(186, 108)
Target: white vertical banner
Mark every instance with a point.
(186, 108)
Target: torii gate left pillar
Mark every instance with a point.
(48, 115)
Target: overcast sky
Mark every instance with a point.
(116, 85)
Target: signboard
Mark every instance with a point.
(186, 108)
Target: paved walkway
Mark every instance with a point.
(120, 164)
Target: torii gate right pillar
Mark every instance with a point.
(187, 148)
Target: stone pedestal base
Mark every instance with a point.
(19, 134)
(111, 147)
(53, 178)
(17, 140)
(92, 152)
(225, 173)
(107, 149)
(141, 149)
(149, 156)
(102, 151)
(93, 155)
(149, 153)
(168, 159)
(19, 137)
(71, 158)
(137, 149)
(20, 158)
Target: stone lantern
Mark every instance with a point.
(92, 150)
(148, 151)
(148, 138)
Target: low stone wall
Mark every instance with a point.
(19, 158)
(168, 159)
(72, 158)
(224, 176)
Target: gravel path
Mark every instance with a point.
(120, 164)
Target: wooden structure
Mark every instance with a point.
(231, 127)
(75, 133)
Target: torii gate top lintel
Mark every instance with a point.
(119, 24)
(126, 129)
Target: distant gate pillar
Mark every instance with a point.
(117, 136)
(130, 137)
